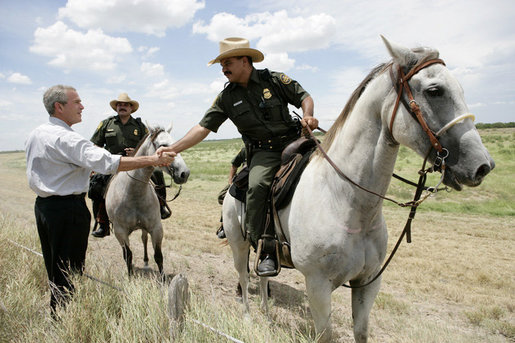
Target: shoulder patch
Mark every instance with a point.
(285, 79)
(100, 125)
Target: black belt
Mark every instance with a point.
(71, 196)
(273, 143)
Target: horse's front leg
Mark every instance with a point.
(240, 253)
(127, 256)
(144, 239)
(123, 239)
(157, 238)
(263, 290)
(362, 302)
(319, 296)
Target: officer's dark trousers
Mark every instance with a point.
(159, 182)
(263, 166)
(63, 227)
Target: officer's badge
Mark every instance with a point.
(135, 132)
(285, 79)
(266, 93)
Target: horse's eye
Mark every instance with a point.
(434, 91)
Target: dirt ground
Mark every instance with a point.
(434, 280)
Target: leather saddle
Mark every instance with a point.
(294, 160)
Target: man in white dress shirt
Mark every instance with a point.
(59, 162)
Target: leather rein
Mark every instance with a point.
(401, 85)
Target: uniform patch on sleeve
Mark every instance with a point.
(285, 79)
(100, 125)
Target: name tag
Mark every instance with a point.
(237, 103)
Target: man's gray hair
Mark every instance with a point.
(56, 94)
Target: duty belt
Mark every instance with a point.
(273, 143)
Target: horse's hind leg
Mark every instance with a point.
(144, 239)
(362, 301)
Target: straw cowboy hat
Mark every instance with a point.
(123, 97)
(234, 46)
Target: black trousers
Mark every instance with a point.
(63, 226)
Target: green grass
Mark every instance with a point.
(451, 285)
(495, 196)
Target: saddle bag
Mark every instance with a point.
(241, 180)
(240, 185)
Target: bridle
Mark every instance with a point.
(170, 169)
(402, 85)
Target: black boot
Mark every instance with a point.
(165, 211)
(267, 266)
(102, 231)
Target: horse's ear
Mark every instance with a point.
(401, 55)
(169, 128)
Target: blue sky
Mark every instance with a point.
(157, 51)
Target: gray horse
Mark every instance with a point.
(132, 203)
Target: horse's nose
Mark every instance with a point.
(483, 170)
(185, 175)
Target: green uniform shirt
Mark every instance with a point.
(259, 111)
(112, 135)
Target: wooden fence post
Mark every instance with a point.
(178, 301)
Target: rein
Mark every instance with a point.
(170, 170)
(439, 164)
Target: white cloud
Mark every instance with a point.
(5, 103)
(278, 62)
(162, 90)
(275, 32)
(19, 79)
(2, 76)
(308, 67)
(152, 69)
(148, 52)
(72, 49)
(116, 79)
(148, 16)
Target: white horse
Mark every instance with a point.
(336, 230)
(132, 203)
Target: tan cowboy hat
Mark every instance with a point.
(234, 46)
(123, 97)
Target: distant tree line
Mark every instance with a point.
(497, 125)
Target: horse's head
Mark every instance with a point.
(443, 126)
(178, 170)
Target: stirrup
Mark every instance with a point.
(259, 252)
(220, 233)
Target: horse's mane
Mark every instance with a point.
(152, 132)
(331, 133)
(422, 54)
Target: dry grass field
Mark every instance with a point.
(454, 283)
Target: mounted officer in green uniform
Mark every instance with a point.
(120, 135)
(256, 101)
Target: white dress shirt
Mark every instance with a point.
(60, 161)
